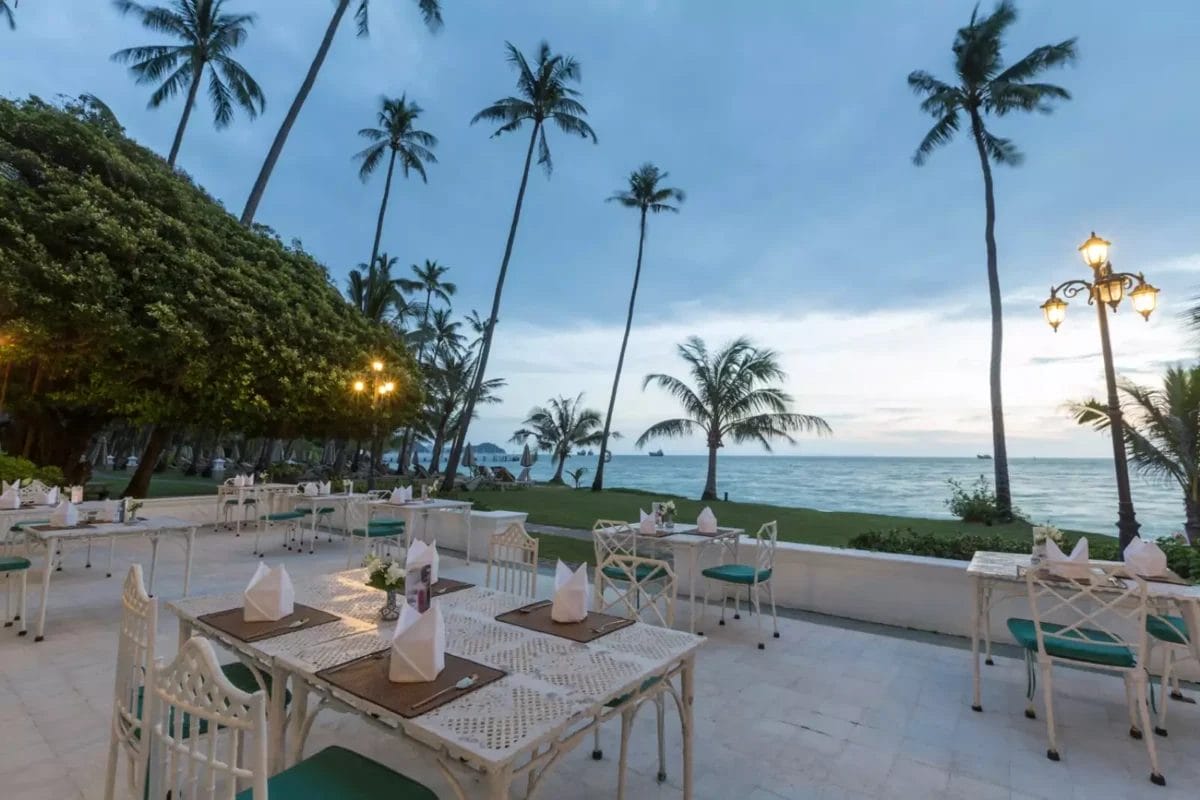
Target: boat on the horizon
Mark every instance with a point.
(984, 456)
(656, 453)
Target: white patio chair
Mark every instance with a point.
(513, 561)
(237, 507)
(643, 589)
(1087, 605)
(753, 576)
(1172, 634)
(612, 537)
(192, 691)
(378, 536)
(14, 568)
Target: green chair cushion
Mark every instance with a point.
(336, 772)
(644, 572)
(282, 516)
(736, 573)
(28, 523)
(242, 677)
(14, 563)
(374, 531)
(620, 701)
(1082, 644)
(1168, 629)
(320, 511)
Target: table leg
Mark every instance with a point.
(153, 562)
(986, 623)
(47, 571)
(187, 562)
(976, 620)
(297, 720)
(499, 785)
(687, 678)
(694, 567)
(112, 545)
(21, 602)
(185, 632)
(277, 721)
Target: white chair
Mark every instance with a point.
(14, 568)
(1087, 605)
(643, 589)
(1170, 633)
(513, 561)
(192, 691)
(378, 536)
(237, 506)
(612, 537)
(753, 576)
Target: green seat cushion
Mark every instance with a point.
(373, 530)
(644, 572)
(14, 563)
(28, 523)
(242, 677)
(620, 701)
(322, 510)
(736, 573)
(1082, 644)
(336, 772)
(282, 516)
(1168, 629)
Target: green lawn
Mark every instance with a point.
(165, 484)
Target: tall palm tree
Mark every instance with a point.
(442, 332)
(428, 279)
(648, 197)
(450, 379)
(559, 427)
(396, 137)
(6, 11)
(542, 96)
(207, 37)
(1162, 433)
(984, 86)
(734, 398)
(373, 290)
(431, 12)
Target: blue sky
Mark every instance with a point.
(806, 226)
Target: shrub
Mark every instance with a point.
(976, 503)
(16, 468)
(284, 472)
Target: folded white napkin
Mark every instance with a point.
(5, 486)
(49, 497)
(310, 488)
(397, 495)
(269, 595)
(250, 479)
(572, 600)
(1074, 566)
(110, 510)
(418, 646)
(645, 522)
(1145, 558)
(707, 521)
(10, 499)
(239, 480)
(64, 515)
(421, 554)
(325, 488)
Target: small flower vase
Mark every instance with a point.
(391, 610)
(1039, 553)
(668, 521)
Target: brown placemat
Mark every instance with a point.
(232, 622)
(1170, 577)
(662, 533)
(449, 585)
(76, 526)
(539, 620)
(367, 678)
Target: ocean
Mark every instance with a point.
(1076, 493)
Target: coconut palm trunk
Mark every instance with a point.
(558, 471)
(999, 448)
(598, 481)
(264, 175)
(710, 482)
(387, 190)
(486, 346)
(183, 119)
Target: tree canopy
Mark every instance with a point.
(126, 292)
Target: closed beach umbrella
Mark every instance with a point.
(469, 456)
(527, 457)
(416, 462)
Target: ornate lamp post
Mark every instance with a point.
(381, 388)
(1107, 288)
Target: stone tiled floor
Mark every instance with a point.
(828, 711)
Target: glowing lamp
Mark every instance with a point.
(1095, 251)
(1144, 299)
(1055, 311)
(1110, 289)
(377, 366)
(387, 388)
(359, 386)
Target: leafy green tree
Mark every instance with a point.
(449, 381)
(1162, 433)
(431, 11)
(208, 37)
(648, 197)
(559, 427)
(984, 86)
(396, 138)
(373, 290)
(734, 397)
(543, 95)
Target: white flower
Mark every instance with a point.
(395, 573)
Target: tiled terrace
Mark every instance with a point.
(830, 710)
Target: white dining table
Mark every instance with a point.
(553, 695)
(997, 577)
(153, 528)
(423, 508)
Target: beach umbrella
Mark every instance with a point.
(416, 462)
(528, 457)
(469, 456)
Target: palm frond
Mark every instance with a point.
(667, 429)
(1001, 150)
(941, 133)
(1039, 60)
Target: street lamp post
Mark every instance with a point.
(381, 388)
(1107, 288)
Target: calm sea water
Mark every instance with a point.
(1069, 492)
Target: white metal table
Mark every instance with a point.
(990, 571)
(152, 528)
(553, 696)
(411, 509)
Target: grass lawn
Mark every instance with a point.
(165, 484)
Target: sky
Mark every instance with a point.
(806, 227)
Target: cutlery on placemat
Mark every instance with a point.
(607, 625)
(465, 683)
(298, 623)
(534, 606)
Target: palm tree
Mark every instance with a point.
(644, 194)
(1162, 433)
(431, 12)
(544, 96)
(7, 12)
(396, 137)
(429, 280)
(986, 87)
(373, 290)
(560, 427)
(733, 399)
(451, 378)
(442, 331)
(208, 36)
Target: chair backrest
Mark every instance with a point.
(358, 514)
(513, 561)
(766, 539)
(190, 693)
(32, 493)
(642, 588)
(135, 656)
(1098, 600)
(613, 537)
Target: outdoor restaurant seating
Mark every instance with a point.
(1172, 635)
(753, 576)
(513, 561)
(377, 535)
